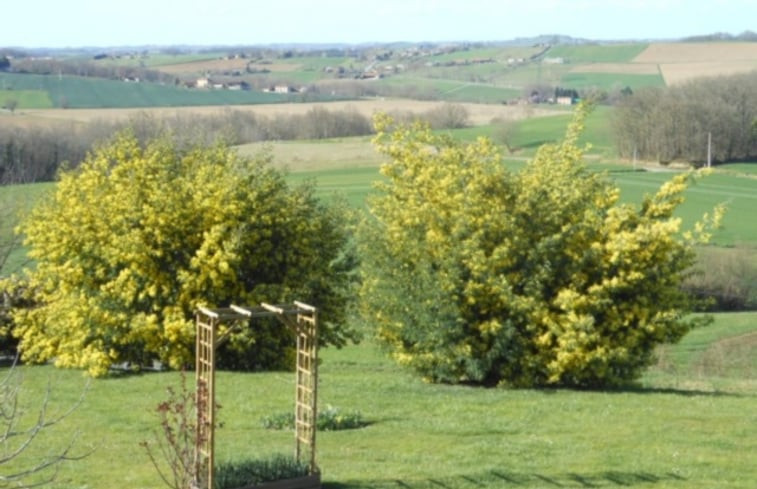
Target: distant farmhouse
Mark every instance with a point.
(281, 89)
(207, 83)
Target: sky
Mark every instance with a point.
(102, 23)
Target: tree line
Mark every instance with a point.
(50, 66)
(677, 123)
(34, 154)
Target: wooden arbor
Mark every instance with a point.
(303, 320)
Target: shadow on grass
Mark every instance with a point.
(502, 478)
(641, 389)
(671, 390)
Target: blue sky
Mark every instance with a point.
(74, 23)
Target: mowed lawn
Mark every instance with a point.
(687, 424)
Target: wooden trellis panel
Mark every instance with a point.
(303, 320)
(305, 326)
(306, 404)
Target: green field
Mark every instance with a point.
(27, 99)
(738, 193)
(617, 53)
(691, 423)
(531, 133)
(449, 90)
(610, 81)
(76, 92)
(745, 168)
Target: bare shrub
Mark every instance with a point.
(447, 116)
(725, 277)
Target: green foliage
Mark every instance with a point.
(330, 419)
(135, 239)
(475, 274)
(14, 293)
(244, 473)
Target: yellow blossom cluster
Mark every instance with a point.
(473, 273)
(132, 241)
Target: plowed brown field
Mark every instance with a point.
(681, 62)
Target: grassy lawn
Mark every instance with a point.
(686, 425)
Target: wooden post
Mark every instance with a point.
(709, 149)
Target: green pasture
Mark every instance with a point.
(479, 93)
(524, 76)
(26, 99)
(298, 76)
(739, 194)
(78, 92)
(529, 134)
(516, 78)
(610, 81)
(688, 424)
(352, 174)
(744, 168)
(483, 73)
(596, 53)
(449, 90)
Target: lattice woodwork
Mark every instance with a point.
(303, 320)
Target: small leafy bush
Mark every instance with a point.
(241, 473)
(330, 419)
